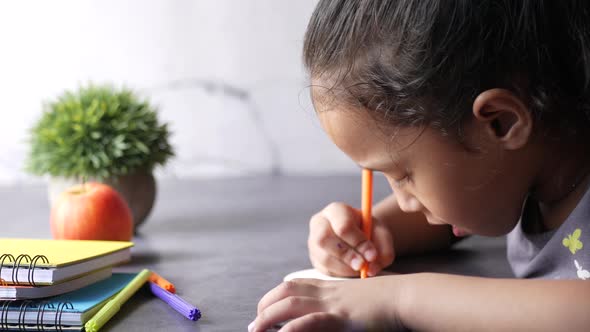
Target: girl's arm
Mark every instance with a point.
(427, 302)
(439, 302)
(411, 232)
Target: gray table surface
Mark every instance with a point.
(225, 243)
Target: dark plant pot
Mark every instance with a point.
(138, 189)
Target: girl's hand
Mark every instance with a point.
(318, 305)
(338, 246)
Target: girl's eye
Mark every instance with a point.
(401, 182)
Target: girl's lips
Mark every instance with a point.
(459, 232)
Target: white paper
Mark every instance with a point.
(315, 274)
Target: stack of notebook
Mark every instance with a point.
(57, 284)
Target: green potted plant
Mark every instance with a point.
(104, 134)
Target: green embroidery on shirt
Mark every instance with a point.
(572, 241)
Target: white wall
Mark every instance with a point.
(226, 75)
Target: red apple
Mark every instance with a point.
(91, 211)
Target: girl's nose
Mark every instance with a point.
(407, 202)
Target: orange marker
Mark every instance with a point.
(158, 280)
(366, 204)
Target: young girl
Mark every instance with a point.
(477, 112)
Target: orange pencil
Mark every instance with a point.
(366, 204)
(158, 280)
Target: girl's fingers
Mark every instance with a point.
(320, 321)
(374, 269)
(323, 237)
(330, 265)
(384, 243)
(288, 308)
(346, 223)
(298, 287)
(336, 232)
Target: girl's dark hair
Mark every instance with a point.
(423, 62)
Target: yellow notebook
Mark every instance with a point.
(42, 262)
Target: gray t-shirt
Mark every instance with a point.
(562, 253)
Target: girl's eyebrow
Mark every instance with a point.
(368, 166)
(382, 165)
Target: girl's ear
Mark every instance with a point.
(504, 117)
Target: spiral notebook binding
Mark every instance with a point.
(41, 324)
(60, 310)
(17, 265)
(3, 259)
(4, 315)
(41, 314)
(32, 267)
(22, 311)
(22, 261)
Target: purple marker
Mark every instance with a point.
(176, 302)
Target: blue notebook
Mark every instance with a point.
(69, 311)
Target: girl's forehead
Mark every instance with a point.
(358, 135)
(364, 136)
(339, 116)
